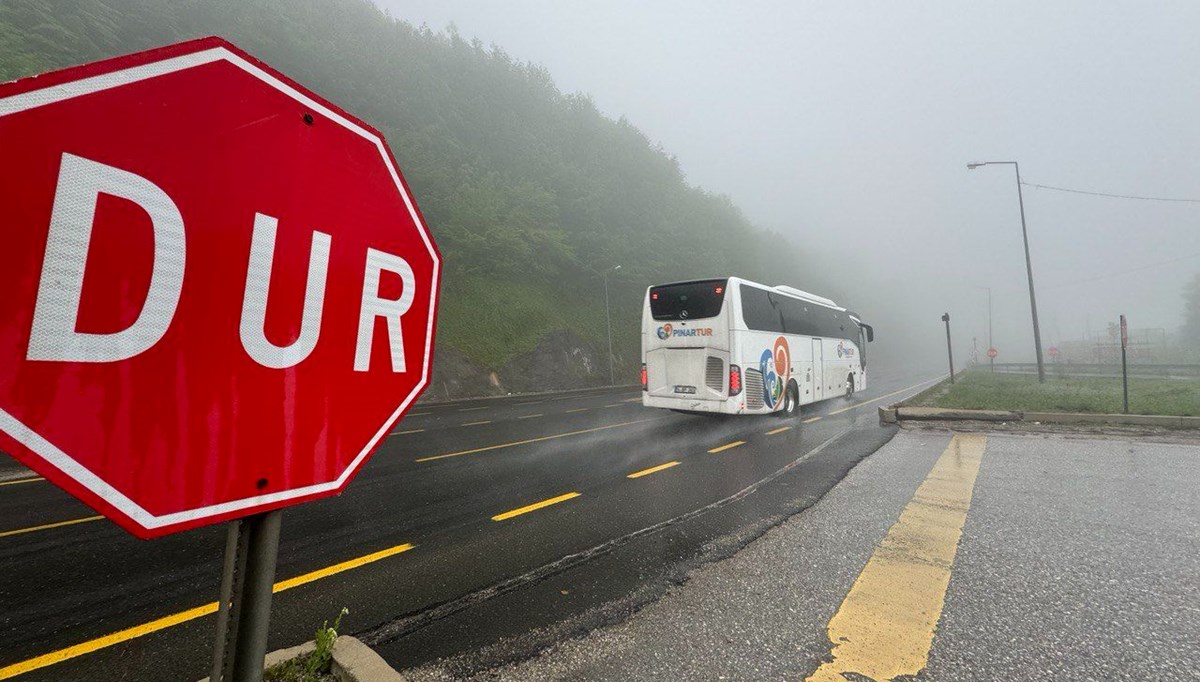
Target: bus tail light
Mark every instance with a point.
(643, 376)
(735, 380)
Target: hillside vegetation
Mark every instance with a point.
(531, 193)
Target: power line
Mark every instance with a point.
(1120, 273)
(1111, 196)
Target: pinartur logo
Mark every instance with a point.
(667, 331)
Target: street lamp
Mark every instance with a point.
(991, 360)
(612, 377)
(1037, 334)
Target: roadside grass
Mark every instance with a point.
(982, 390)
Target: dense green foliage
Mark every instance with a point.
(982, 390)
(531, 193)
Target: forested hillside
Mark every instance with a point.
(531, 193)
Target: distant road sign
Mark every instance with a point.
(992, 352)
(1052, 351)
(219, 294)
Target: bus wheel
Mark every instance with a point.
(850, 387)
(791, 402)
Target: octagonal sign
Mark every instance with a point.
(219, 294)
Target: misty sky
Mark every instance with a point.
(848, 127)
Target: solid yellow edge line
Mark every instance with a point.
(884, 628)
(811, 420)
(734, 444)
(47, 526)
(402, 433)
(531, 440)
(22, 480)
(651, 470)
(781, 429)
(181, 617)
(533, 507)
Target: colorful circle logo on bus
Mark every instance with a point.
(775, 364)
(664, 332)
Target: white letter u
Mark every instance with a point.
(258, 285)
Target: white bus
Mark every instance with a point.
(731, 346)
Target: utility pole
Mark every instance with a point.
(949, 349)
(1037, 334)
(612, 377)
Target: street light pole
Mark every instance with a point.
(1037, 333)
(612, 377)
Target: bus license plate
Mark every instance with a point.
(685, 389)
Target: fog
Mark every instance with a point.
(848, 128)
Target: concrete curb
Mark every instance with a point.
(353, 661)
(898, 414)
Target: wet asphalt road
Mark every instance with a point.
(484, 590)
(1079, 560)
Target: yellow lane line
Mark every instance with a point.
(633, 400)
(33, 529)
(811, 420)
(471, 409)
(418, 414)
(533, 507)
(884, 628)
(651, 470)
(531, 440)
(580, 409)
(532, 402)
(727, 446)
(401, 433)
(614, 405)
(781, 429)
(22, 480)
(889, 395)
(530, 416)
(182, 617)
(485, 421)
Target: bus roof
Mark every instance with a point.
(781, 288)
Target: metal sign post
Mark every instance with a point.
(949, 350)
(244, 612)
(1124, 365)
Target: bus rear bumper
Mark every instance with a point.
(734, 406)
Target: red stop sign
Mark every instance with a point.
(219, 294)
(992, 352)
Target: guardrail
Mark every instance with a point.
(1091, 369)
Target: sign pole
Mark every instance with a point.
(232, 580)
(949, 349)
(1124, 366)
(244, 613)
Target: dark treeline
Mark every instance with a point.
(531, 193)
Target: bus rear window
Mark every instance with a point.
(687, 301)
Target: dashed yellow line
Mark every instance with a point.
(633, 400)
(485, 421)
(534, 507)
(19, 481)
(418, 414)
(885, 627)
(532, 440)
(404, 433)
(47, 526)
(614, 405)
(530, 416)
(174, 619)
(651, 470)
(811, 420)
(580, 409)
(781, 429)
(727, 446)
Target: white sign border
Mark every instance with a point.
(76, 471)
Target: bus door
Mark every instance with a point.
(818, 370)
